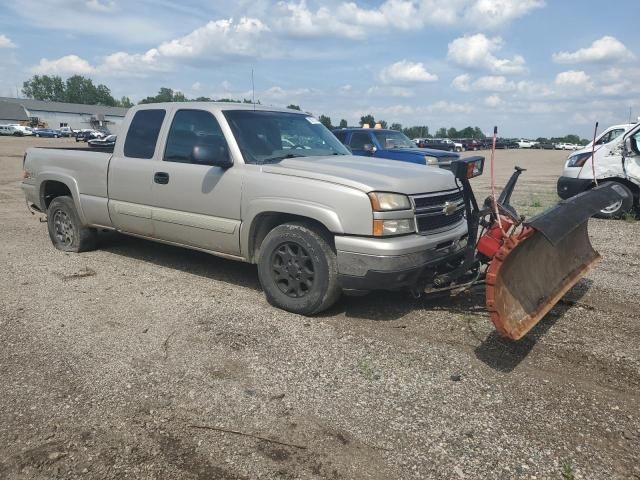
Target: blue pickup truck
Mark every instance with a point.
(391, 144)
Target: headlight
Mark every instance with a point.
(429, 160)
(384, 202)
(382, 228)
(579, 159)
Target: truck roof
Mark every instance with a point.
(218, 106)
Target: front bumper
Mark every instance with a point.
(392, 263)
(570, 187)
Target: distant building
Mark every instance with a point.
(58, 114)
(12, 113)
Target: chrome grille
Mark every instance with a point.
(438, 212)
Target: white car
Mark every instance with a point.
(526, 143)
(567, 146)
(15, 130)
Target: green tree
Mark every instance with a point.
(343, 123)
(294, 107)
(452, 133)
(396, 126)
(368, 119)
(416, 131)
(441, 133)
(326, 121)
(383, 123)
(104, 96)
(79, 89)
(44, 87)
(125, 102)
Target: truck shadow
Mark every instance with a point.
(499, 353)
(505, 355)
(183, 259)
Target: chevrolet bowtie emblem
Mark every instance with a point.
(449, 208)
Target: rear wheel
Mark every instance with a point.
(298, 269)
(619, 208)
(65, 228)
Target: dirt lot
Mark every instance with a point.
(121, 363)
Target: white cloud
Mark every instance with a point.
(448, 107)
(462, 82)
(67, 65)
(477, 52)
(493, 101)
(405, 71)
(390, 91)
(5, 42)
(349, 20)
(219, 38)
(296, 20)
(488, 83)
(277, 92)
(606, 49)
(493, 83)
(99, 6)
(573, 78)
(498, 12)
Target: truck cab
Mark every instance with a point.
(611, 163)
(392, 145)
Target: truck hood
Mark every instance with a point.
(367, 174)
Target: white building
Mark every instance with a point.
(58, 114)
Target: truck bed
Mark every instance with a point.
(84, 171)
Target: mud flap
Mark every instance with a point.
(534, 269)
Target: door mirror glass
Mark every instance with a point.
(215, 155)
(369, 148)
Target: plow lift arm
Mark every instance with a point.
(529, 265)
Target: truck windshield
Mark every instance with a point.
(393, 139)
(265, 137)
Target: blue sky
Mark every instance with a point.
(533, 67)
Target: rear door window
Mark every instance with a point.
(143, 133)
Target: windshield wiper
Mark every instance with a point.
(281, 157)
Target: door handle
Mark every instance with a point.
(161, 178)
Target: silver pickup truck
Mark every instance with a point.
(262, 185)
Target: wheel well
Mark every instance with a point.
(635, 190)
(52, 189)
(265, 222)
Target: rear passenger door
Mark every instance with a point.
(196, 204)
(130, 175)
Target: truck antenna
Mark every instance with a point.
(593, 152)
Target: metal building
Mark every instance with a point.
(58, 114)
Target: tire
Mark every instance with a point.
(65, 228)
(619, 208)
(55, 136)
(38, 135)
(298, 243)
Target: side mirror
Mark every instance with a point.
(467, 168)
(214, 155)
(628, 147)
(369, 148)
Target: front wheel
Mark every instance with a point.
(619, 208)
(66, 231)
(298, 269)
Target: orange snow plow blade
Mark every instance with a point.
(529, 275)
(536, 267)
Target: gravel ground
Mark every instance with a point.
(141, 360)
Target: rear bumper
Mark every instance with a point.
(568, 187)
(391, 264)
